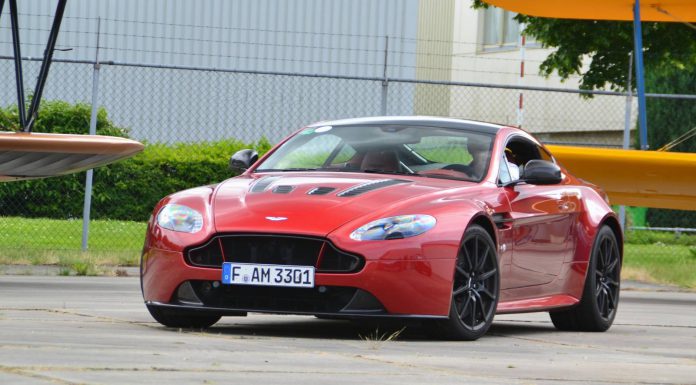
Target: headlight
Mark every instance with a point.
(403, 226)
(180, 218)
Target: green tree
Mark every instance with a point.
(667, 120)
(607, 44)
(669, 51)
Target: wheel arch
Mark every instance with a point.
(484, 221)
(613, 223)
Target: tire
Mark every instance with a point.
(600, 296)
(183, 318)
(475, 287)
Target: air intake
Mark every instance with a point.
(282, 189)
(320, 190)
(365, 187)
(261, 184)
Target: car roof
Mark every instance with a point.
(471, 125)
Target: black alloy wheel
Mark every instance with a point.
(475, 287)
(607, 277)
(600, 297)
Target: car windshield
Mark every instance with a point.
(388, 149)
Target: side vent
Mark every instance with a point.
(263, 183)
(320, 190)
(283, 189)
(370, 186)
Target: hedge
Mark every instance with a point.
(668, 119)
(127, 190)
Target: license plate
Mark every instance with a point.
(267, 275)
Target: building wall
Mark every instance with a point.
(323, 37)
(338, 37)
(428, 40)
(433, 59)
(542, 112)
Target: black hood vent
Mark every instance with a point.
(284, 189)
(263, 183)
(320, 190)
(370, 186)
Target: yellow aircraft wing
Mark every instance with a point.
(650, 10)
(37, 155)
(635, 178)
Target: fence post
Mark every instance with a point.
(520, 80)
(627, 128)
(92, 131)
(385, 81)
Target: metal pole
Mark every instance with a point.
(14, 20)
(627, 127)
(640, 76)
(92, 131)
(385, 81)
(520, 80)
(45, 65)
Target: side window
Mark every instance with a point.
(545, 155)
(504, 173)
(519, 151)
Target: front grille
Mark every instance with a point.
(271, 250)
(274, 249)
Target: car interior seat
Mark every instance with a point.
(385, 160)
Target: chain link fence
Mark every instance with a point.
(206, 113)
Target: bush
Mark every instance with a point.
(61, 117)
(127, 190)
(667, 120)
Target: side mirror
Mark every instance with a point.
(243, 159)
(539, 171)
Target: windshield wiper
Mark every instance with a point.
(287, 169)
(380, 171)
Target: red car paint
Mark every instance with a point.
(543, 245)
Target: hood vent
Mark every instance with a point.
(261, 184)
(320, 190)
(282, 189)
(365, 187)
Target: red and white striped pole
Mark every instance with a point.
(520, 80)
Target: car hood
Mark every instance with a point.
(312, 203)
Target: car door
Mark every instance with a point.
(542, 219)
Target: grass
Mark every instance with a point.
(658, 257)
(375, 339)
(661, 263)
(40, 241)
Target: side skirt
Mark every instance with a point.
(537, 304)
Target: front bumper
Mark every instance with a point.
(387, 286)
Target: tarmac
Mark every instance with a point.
(96, 330)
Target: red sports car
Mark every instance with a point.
(445, 220)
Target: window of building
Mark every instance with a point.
(500, 29)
